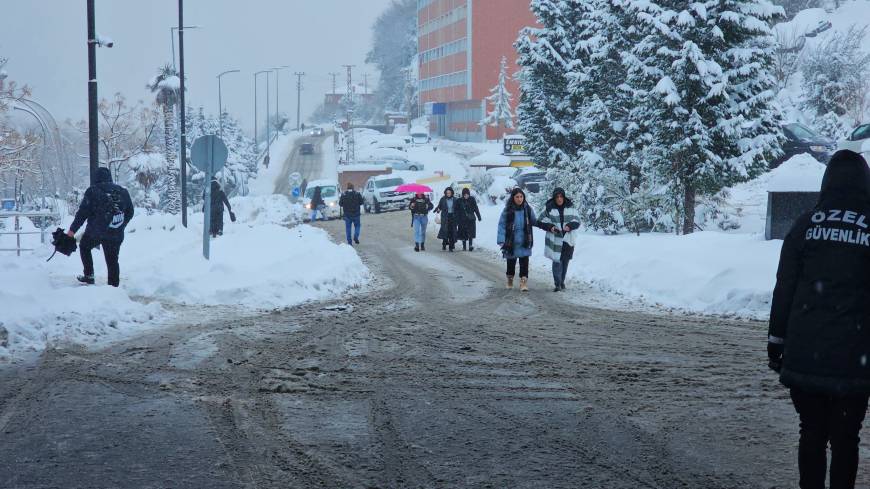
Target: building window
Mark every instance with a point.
(451, 17)
(444, 81)
(444, 50)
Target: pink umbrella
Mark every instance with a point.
(415, 188)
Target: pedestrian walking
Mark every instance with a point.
(468, 216)
(107, 208)
(317, 204)
(516, 238)
(350, 203)
(560, 219)
(420, 206)
(448, 211)
(819, 339)
(219, 200)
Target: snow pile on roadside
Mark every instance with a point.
(266, 209)
(257, 264)
(749, 200)
(706, 272)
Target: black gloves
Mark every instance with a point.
(774, 355)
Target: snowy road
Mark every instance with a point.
(437, 377)
(309, 166)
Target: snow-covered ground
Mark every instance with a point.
(259, 263)
(264, 183)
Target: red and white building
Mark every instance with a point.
(461, 43)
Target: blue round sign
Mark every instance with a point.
(296, 191)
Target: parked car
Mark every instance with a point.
(330, 194)
(404, 164)
(458, 185)
(420, 135)
(529, 179)
(858, 141)
(306, 149)
(380, 193)
(801, 139)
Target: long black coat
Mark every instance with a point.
(821, 303)
(449, 221)
(218, 201)
(467, 218)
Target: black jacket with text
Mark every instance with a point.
(106, 207)
(821, 303)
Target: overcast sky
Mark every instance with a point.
(45, 41)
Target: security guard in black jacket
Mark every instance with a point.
(819, 337)
(107, 208)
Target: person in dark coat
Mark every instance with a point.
(317, 204)
(516, 237)
(350, 203)
(218, 201)
(420, 206)
(448, 208)
(467, 225)
(819, 335)
(107, 208)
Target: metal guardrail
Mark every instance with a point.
(18, 232)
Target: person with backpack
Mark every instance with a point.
(107, 208)
(560, 219)
(819, 338)
(350, 203)
(420, 206)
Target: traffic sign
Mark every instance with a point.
(209, 154)
(296, 191)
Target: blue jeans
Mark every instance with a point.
(420, 223)
(560, 270)
(315, 211)
(348, 221)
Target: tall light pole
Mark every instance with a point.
(172, 40)
(220, 102)
(93, 116)
(256, 141)
(277, 71)
(299, 76)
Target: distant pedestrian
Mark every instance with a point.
(420, 206)
(218, 201)
(317, 204)
(819, 336)
(516, 238)
(350, 203)
(468, 216)
(448, 209)
(107, 208)
(560, 219)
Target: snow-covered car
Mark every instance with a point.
(801, 139)
(330, 195)
(458, 185)
(858, 141)
(500, 188)
(380, 193)
(394, 142)
(420, 135)
(306, 149)
(529, 179)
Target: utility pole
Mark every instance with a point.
(277, 71)
(351, 143)
(182, 108)
(299, 75)
(366, 83)
(334, 86)
(93, 121)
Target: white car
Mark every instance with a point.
(858, 141)
(330, 195)
(379, 193)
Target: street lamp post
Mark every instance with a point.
(172, 36)
(220, 103)
(180, 132)
(93, 116)
(277, 71)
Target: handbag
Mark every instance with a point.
(232, 216)
(438, 219)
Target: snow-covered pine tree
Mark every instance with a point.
(500, 99)
(165, 86)
(706, 70)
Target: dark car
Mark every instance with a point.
(801, 139)
(306, 149)
(529, 179)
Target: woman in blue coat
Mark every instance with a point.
(515, 237)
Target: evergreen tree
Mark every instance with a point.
(500, 99)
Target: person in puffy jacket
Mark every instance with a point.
(560, 219)
(420, 206)
(107, 208)
(516, 237)
(819, 335)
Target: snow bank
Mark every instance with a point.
(801, 173)
(264, 183)
(259, 263)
